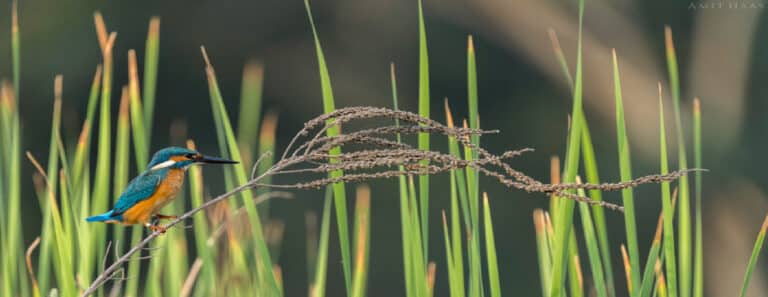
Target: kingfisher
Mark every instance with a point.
(154, 188)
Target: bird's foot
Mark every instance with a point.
(165, 217)
(158, 228)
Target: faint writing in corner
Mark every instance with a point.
(727, 5)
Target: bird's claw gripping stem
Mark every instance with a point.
(158, 228)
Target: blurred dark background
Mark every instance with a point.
(522, 93)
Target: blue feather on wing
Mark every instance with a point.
(139, 189)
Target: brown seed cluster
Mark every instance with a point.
(373, 153)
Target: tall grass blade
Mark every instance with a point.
(627, 269)
(339, 192)
(649, 275)
(458, 197)
(140, 131)
(490, 246)
(80, 180)
(591, 173)
(15, 49)
(84, 142)
(601, 229)
(698, 274)
(472, 176)
(452, 285)
(684, 220)
(625, 168)
(224, 126)
(122, 157)
(543, 251)
(103, 160)
(266, 145)
(317, 288)
(405, 212)
(593, 250)
(460, 181)
(13, 242)
(472, 96)
(12, 186)
(667, 208)
(141, 139)
(205, 250)
(560, 56)
(250, 109)
(419, 272)
(362, 240)
(53, 158)
(753, 258)
(423, 137)
(62, 253)
(564, 216)
(151, 59)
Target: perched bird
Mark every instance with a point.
(154, 188)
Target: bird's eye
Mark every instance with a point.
(190, 156)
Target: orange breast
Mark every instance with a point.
(142, 212)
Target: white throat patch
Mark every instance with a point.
(162, 165)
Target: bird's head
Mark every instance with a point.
(181, 158)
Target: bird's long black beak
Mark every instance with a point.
(215, 160)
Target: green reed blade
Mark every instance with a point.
(101, 188)
(141, 134)
(84, 143)
(575, 276)
(564, 216)
(473, 246)
(140, 131)
(625, 169)
(339, 193)
(698, 274)
(593, 250)
(362, 240)
(53, 158)
(543, 251)
(222, 118)
(151, 59)
(667, 208)
(684, 221)
(458, 262)
(250, 109)
(206, 284)
(648, 275)
(15, 49)
(419, 272)
(423, 137)
(249, 124)
(472, 97)
(591, 173)
(321, 267)
(405, 212)
(458, 193)
(122, 161)
(12, 244)
(472, 176)
(753, 258)
(63, 253)
(490, 246)
(452, 277)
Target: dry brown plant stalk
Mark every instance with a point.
(373, 154)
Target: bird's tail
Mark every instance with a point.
(101, 218)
